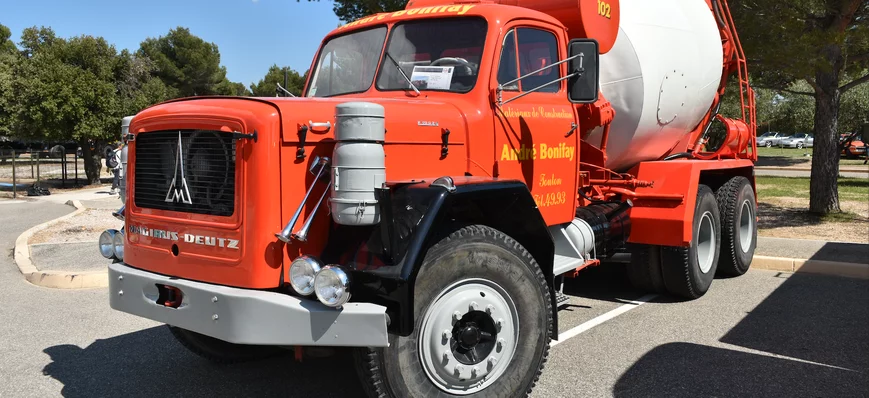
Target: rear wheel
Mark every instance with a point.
(482, 328)
(222, 352)
(737, 205)
(689, 271)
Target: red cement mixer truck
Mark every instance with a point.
(447, 166)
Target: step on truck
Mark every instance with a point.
(445, 168)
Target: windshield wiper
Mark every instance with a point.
(401, 71)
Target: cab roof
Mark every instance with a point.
(490, 12)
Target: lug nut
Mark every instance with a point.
(459, 369)
(456, 316)
(501, 344)
(474, 306)
(499, 323)
(490, 309)
(474, 371)
(446, 357)
(493, 361)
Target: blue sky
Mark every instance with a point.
(250, 34)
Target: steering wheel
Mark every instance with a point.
(463, 64)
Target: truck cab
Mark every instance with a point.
(446, 167)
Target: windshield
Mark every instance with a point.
(799, 135)
(347, 63)
(436, 54)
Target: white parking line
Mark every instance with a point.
(9, 202)
(576, 331)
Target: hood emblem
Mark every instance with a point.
(182, 194)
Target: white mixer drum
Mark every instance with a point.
(661, 77)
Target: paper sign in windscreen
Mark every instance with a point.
(432, 77)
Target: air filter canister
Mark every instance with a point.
(358, 163)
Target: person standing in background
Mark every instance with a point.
(113, 162)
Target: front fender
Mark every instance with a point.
(385, 259)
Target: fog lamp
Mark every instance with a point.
(332, 286)
(118, 245)
(303, 270)
(106, 243)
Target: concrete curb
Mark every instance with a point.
(777, 168)
(836, 268)
(55, 279)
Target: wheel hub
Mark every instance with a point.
(468, 336)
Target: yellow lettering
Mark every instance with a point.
(381, 17)
(428, 10)
(413, 11)
(454, 9)
(466, 9)
(399, 13)
(443, 8)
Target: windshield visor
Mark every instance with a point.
(347, 63)
(435, 54)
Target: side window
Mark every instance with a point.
(536, 49)
(507, 70)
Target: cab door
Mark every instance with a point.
(535, 138)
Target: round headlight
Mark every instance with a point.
(107, 242)
(118, 245)
(332, 286)
(303, 270)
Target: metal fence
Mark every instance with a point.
(21, 169)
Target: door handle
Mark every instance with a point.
(573, 127)
(323, 127)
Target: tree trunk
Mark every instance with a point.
(92, 156)
(824, 187)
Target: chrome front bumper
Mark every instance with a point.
(245, 316)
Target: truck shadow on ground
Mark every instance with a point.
(816, 324)
(151, 363)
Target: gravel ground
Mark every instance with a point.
(84, 227)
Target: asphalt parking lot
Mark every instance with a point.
(764, 334)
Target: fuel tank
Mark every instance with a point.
(661, 77)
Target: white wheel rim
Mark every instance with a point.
(746, 226)
(441, 353)
(706, 242)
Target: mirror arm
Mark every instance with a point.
(500, 88)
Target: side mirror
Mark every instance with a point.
(584, 87)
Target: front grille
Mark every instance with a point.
(208, 159)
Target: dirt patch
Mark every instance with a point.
(789, 218)
(83, 227)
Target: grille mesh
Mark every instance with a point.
(209, 169)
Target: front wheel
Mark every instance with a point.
(483, 323)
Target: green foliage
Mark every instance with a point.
(351, 10)
(186, 63)
(66, 90)
(7, 46)
(268, 84)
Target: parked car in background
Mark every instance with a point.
(799, 140)
(770, 138)
(853, 146)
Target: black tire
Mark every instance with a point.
(733, 197)
(644, 271)
(483, 253)
(222, 352)
(683, 276)
(769, 144)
